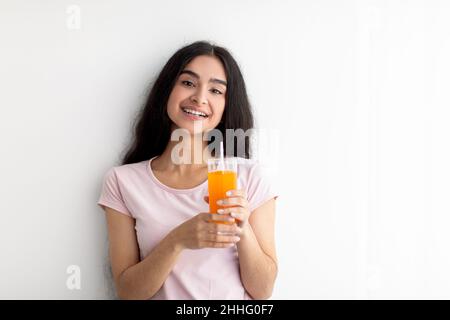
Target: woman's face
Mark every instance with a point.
(198, 95)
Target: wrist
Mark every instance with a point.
(173, 242)
(246, 231)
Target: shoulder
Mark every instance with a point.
(251, 172)
(245, 164)
(250, 168)
(126, 172)
(257, 180)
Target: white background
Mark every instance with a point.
(357, 90)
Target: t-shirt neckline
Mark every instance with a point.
(167, 188)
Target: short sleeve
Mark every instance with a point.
(110, 195)
(260, 187)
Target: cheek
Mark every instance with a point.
(173, 101)
(170, 109)
(219, 110)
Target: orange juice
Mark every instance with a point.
(219, 182)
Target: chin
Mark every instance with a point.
(190, 127)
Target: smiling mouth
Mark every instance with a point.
(194, 113)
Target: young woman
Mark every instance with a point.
(163, 242)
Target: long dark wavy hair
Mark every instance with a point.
(152, 127)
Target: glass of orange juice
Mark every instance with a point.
(222, 177)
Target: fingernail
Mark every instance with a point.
(220, 211)
(228, 193)
(219, 202)
(237, 238)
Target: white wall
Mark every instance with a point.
(357, 91)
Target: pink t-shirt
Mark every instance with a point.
(207, 273)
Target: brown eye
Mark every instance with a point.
(188, 83)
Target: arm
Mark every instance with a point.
(257, 256)
(134, 279)
(256, 249)
(142, 280)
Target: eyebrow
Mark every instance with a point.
(195, 75)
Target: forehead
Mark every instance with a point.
(207, 67)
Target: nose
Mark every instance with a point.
(199, 97)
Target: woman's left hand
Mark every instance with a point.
(236, 205)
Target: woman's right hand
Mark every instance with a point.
(202, 232)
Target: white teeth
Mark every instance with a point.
(197, 113)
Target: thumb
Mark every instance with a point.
(206, 198)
